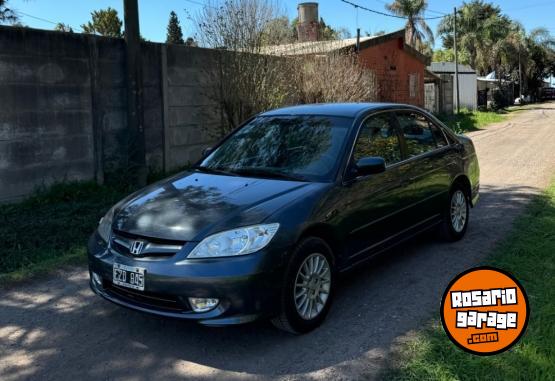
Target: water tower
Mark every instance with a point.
(308, 25)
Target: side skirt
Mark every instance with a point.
(389, 243)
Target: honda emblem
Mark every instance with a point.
(137, 247)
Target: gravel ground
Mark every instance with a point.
(54, 328)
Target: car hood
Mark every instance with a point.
(192, 205)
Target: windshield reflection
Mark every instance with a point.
(301, 147)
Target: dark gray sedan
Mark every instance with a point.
(263, 224)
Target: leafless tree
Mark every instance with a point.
(333, 76)
(253, 76)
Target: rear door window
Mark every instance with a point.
(439, 136)
(416, 132)
(378, 137)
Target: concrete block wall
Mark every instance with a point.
(63, 107)
(153, 107)
(46, 123)
(193, 115)
(109, 108)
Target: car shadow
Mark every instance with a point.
(58, 329)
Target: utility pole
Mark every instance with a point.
(135, 125)
(520, 87)
(456, 57)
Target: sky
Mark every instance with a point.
(154, 14)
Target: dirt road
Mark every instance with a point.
(56, 329)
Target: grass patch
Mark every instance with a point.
(467, 120)
(51, 228)
(529, 254)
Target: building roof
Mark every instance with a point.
(449, 67)
(312, 47)
(350, 110)
(430, 76)
(326, 47)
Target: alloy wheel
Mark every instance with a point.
(458, 211)
(312, 286)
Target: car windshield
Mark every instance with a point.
(289, 147)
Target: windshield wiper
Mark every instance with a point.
(268, 173)
(215, 170)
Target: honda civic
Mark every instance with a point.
(265, 222)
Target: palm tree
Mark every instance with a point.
(7, 15)
(477, 26)
(539, 61)
(417, 29)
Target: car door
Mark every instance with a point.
(427, 168)
(372, 204)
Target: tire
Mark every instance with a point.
(456, 214)
(309, 252)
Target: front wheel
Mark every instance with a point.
(455, 215)
(308, 287)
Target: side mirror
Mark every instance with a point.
(370, 166)
(207, 151)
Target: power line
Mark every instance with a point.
(427, 10)
(43, 20)
(202, 4)
(528, 6)
(387, 14)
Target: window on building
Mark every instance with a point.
(413, 85)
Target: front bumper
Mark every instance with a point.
(248, 287)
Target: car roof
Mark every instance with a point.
(350, 110)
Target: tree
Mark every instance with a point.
(343, 33)
(368, 33)
(174, 34)
(447, 55)
(105, 22)
(493, 42)
(248, 82)
(413, 10)
(61, 27)
(326, 32)
(278, 31)
(251, 77)
(191, 42)
(540, 59)
(478, 30)
(7, 15)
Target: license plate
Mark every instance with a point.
(129, 276)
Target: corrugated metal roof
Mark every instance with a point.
(312, 47)
(449, 67)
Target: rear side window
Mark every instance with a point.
(439, 136)
(417, 133)
(378, 137)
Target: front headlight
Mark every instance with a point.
(105, 225)
(235, 242)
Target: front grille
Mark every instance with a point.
(122, 242)
(146, 299)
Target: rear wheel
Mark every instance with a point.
(308, 287)
(455, 214)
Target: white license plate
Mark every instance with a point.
(129, 276)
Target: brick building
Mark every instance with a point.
(398, 67)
